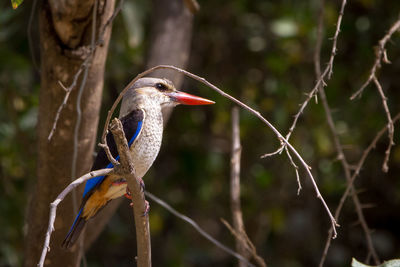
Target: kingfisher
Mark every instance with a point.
(142, 120)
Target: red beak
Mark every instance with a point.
(188, 99)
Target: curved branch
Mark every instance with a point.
(54, 204)
(239, 103)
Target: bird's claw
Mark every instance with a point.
(146, 208)
(142, 185)
(128, 194)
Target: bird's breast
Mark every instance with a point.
(146, 147)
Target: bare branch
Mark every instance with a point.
(338, 145)
(390, 125)
(134, 184)
(237, 216)
(380, 56)
(326, 74)
(245, 240)
(197, 227)
(349, 188)
(54, 204)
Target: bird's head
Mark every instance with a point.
(154, 92)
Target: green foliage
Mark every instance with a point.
(390, 263)
(15, 3)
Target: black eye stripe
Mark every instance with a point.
(161, 87)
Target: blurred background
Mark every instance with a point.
(262, 53)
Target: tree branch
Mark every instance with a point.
(243, 244)
(197, 228)
(126, 169)
(380, 56)
(341, 156)
(54, 204)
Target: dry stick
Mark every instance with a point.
(237, 216)
(379, 57)
(338, 146)
(327, 72)
(357, 172)
(239, 103)
(84, 66)
(54, 204)
(246, 240)
(197, 228)
(390, 126)
(139, 208)
(313, 93)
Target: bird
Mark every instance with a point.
(142, 121)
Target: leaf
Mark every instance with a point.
(16, 3)
(391, 263)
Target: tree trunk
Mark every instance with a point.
(65, 35)
(171, 37)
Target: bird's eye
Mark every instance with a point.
(161, 87)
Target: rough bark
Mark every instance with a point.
(171, 37)
(65, 30)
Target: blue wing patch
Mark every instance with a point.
(93, 182)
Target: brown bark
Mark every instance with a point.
(237, 216)
(171, 37)
(65, 30)
(127, 170)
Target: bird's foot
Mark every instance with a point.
(142, 185)
(146, 208)
(128, 194)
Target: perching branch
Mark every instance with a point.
(54, 204)
(126, 170)
(244, 106)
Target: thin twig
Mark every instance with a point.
(321, 82)
(78, 122)
(379, 57)
(390, 125)
(239, 103)
(237, 216)
(54, 204)
(244, 238)
(354, 176)
(338, 145)
(197, 228)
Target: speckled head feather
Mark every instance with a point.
(147, 92)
